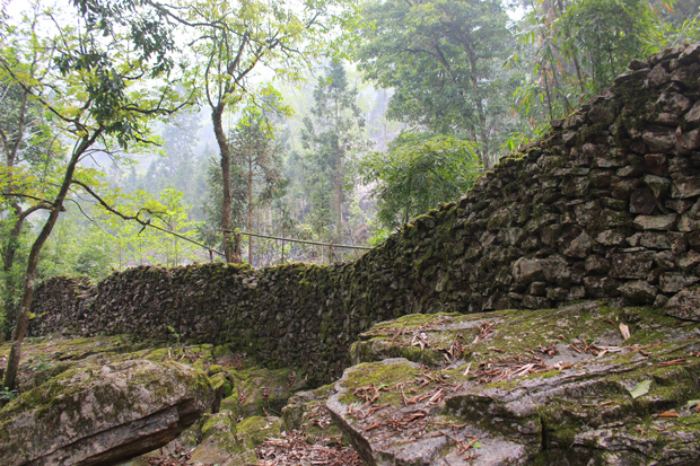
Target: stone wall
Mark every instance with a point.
(607, 205)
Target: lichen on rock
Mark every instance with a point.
(552, 386)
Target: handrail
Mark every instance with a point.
(304, 241)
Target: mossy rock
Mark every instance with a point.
(261, 391)
(539, 387)
(102, 413)
(306, 412)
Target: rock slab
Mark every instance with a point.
(102, 414)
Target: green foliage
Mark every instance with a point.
(605, 34)
(6, 395)
(77, 249)
(571, 50)
(419, 171)
(675, 22)
(332, 137)
(148, 27)
(135, 244)
(91, 242)
(444, 61)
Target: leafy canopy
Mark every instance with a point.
(418, 172)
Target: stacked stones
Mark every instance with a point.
(607, 206)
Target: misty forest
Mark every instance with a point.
(217, 202)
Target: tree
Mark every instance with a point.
(165, 235)
(573, 49)
(443, 58)
(332, 135)
(234, 38)
(418, 172)
(28, 151)
(605, 35)
(98, 93)
(257, 157)
(181, 166)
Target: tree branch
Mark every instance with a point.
(136, 218)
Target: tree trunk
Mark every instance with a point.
(338, 182)
(8, 261)
(481, 114)
(574, 57)
(249, 213)
(547, 92)
(226, 202)
(33, 262)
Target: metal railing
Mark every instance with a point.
(280, 249)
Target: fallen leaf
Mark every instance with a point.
(669, 413)
(641, 389)
(437, 397)
(625, 331)
(466, 371)
(673, 362)
(373, 426)
(421, 340)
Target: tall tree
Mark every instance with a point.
(234, 38)
(182, 166)
(332, 136)
(257, 157)
(604, 35)
(28, 151)
(99, 92)
(444, 60)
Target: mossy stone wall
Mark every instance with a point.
(607, 205)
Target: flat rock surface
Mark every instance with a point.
(582, 383)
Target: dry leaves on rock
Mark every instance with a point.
(369, 393)
(495, 371)
(582, 346)
(177, 458)
(485, 330)
(420, 339)
(455, 351)
(291, 448)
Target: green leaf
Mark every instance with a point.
(641, 389)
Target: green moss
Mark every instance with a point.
(258, 390)
(686, 423)
(220, 381)
(254, 430)
(217, 423)
(411, 321)
(385, 375)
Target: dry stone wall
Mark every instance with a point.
(607, 206)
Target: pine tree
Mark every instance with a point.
(331, 137)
